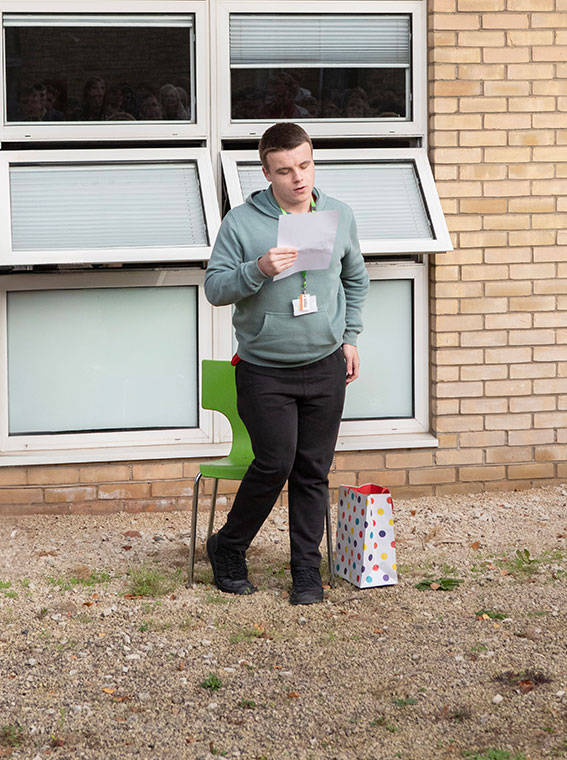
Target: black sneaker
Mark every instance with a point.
(229, 568)
(307, 587)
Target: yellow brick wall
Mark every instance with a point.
(498, 138)
(498, 131)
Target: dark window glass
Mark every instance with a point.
(350, 66)
(61, 71)
(355, 93)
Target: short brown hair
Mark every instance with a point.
(282, 136)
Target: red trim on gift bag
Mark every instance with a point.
(369, 488)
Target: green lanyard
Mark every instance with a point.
(304, 273)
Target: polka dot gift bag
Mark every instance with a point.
(366, 550)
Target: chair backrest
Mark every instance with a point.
(219, 394)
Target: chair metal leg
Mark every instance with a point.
(330, 545)
(193, 538)
(213, 507)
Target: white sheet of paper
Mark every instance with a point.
(313, 235)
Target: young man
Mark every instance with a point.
(291, 371)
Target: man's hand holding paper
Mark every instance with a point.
(313, 235)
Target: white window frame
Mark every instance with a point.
(204, 440)
(82, 131)
(415, 127)
(411, 432)
(441, 241)
(201, 156)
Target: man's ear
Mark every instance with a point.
(266, 173)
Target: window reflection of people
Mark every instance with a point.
(56, 96)
(150, 108)
(171, 104)
(93, 102)
(282, 104)
(30, 105)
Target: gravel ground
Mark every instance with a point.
(93, 666)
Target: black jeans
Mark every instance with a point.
(293, 417)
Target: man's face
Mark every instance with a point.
(292, 174)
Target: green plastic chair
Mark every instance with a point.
(219, 394)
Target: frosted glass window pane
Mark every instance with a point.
(102, 359)
(385, 197)
(384, 388)
(77, 207)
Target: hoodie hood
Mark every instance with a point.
(264, 201)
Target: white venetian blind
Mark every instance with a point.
(77, 206)
(102, 359)
(99, 19)
(300, 39)
(385, 197)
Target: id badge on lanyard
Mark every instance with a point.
(304, 303)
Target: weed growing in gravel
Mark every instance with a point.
(7, 590)
(216, 598)
(211, 682)
(11, 734)
(492, 614)
(438, 584)
(25, 582)
(277, 572)
(494, 754)
(149, 581)
(248, 704)
(405, 702)
(381, 721)
(478, 648)
(65, 584)
(155, 625)
(247, 634)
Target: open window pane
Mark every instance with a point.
(102, 359)
(385, 196)
(315, 66)
(137, 205)
(99, 68)
(384, 388)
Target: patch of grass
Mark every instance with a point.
(438, 584)
(155, 625)
(25, 582)
(405, 702)
(216, 598)
(493, 754)
(478, 648)
(149, 581)
(492, 614)
(11, 735)
(447, 569)
(92, 579)
(247, 704)
(247, 634)
(277, 572)
(383, 723)
(211, 682)
(7, 590)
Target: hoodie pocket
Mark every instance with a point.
(284, 337)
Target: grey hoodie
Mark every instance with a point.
(267, 332)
